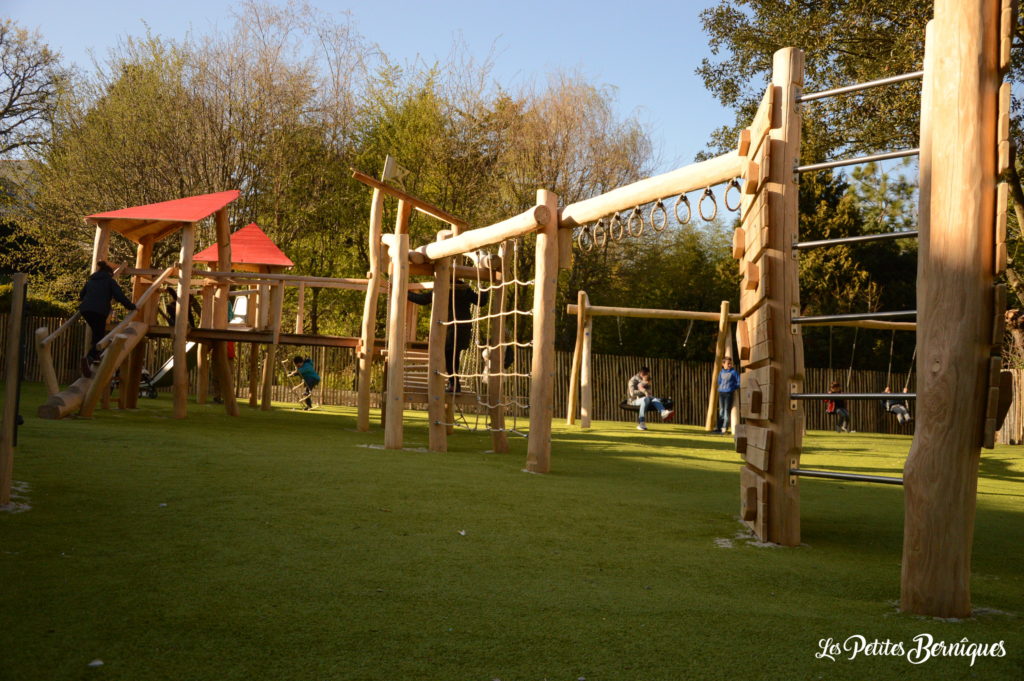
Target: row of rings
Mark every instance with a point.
(598, 233)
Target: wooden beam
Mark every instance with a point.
(538, 449)
(368, 329)
(649, 313)
(955, 305)
(679, 181)
(418, 204)
(46, 362)
(524, 223)
(143, 259)
(496, 359)
(587, 369)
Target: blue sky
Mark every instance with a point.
(648, 50)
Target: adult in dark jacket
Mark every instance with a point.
(460, 334)
(94, 304)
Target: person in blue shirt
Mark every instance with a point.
(304, 369)
(728, 384)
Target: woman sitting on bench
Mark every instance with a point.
(639, 391)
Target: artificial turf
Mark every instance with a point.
(285, 545)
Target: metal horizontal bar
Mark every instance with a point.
(853, 477)
(854, 161)
(863, 238)
(855, 317)
(853, 396)
(857, 87)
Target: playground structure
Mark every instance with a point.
(963, 150)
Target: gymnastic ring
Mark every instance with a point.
(733, 184)
(714, 204)
(659, 208)
(589, 241)
(600, 234)
(636, 216)
(689, 212)
(616, 227)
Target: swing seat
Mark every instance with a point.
(626, 405)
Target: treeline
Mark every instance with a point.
(284, 103)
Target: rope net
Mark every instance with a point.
(495, 365)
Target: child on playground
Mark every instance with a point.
(639, 392)
(837, 406)
(728, 384)
(898, 407)
(304, 369)
(94, 306)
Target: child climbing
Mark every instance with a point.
(94, 305)
(304, 369)
(898, 408)
(460, 334)
(837, 406)
(639, 392)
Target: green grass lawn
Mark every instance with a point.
(284, 545)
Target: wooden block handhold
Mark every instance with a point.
(755, 393)
(1001, 258)
(1007, 26)
(753, 498)
(751, 177)
(740, 438)
(739, 243)
(999, 316)
(1004, 157)
(755, 400)
(753, 299)
(743, 339)
(752, 276)
(743, 145)
(763, 120)
(988, 438)
(748, 504)
(1003, 130)
(992, 402)
(758, 447)
(995, 367)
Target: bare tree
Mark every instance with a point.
(31, 78)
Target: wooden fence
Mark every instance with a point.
(687, 383)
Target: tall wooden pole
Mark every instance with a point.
(711, 421)
(538, 449)
(955, 306)
(574, 374)
(12, 385)
(181, 322)
(367, 338)
(587, 366)
(438, 431)
(396, 340)
(495, 381)
(221, 311)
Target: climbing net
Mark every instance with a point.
(496, 367)
(655, 214)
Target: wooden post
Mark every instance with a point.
(181, 322)
(436, 398)
(202, 360)
(954, 304)
(369, 326)
(130, 384)
(396, 339)
(101, 379)
(12, 387)
(587, 368)
(300, 309)
(574, 373)
(254, 373)
(100, 245)
(46, 361)
(221, 304)
(496, 361)
(711, 422)
(538, 450)
(270, 363)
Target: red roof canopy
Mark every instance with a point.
(249, 246)
(192, 209)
